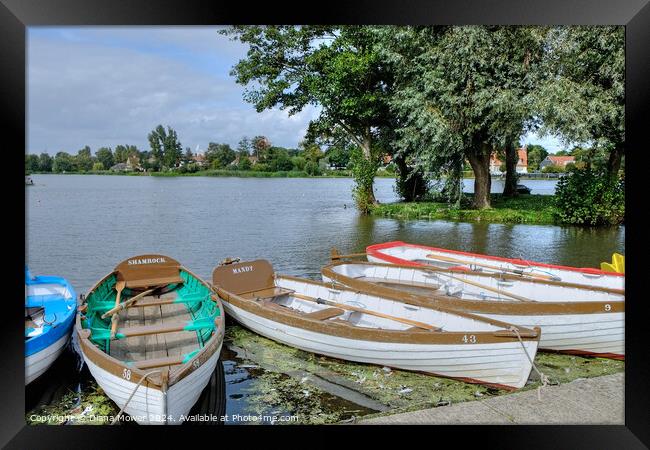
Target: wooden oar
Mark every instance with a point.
(127, 303)
(488, 266)
(366, 311)
(119, 287)
(336, 255)
(487, 288)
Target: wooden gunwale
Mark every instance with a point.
(117, 367)
(471, 306)
(347, 330)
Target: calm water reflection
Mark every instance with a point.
(81, 226)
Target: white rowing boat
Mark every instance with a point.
(387, 331)
(573, 318)
(151, 333)
(402, 253)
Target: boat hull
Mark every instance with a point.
(594, 328)
(503, 365)
(37, 363)
(600, 335)
(150, 406)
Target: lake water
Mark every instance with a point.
(81, 226)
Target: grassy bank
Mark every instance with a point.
(537, 209)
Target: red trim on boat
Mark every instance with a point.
(374, 250)
(616, 356)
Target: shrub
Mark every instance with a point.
(298, 162)
(97, 167)
(363, 172)
(312, 168)
(590, 197)
(244, 163)
(553, 169)
(260, 167)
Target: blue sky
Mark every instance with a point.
(104, 86)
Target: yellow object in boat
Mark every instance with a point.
(617, 265)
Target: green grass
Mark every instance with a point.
(538, 209)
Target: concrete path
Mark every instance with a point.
(598, 400)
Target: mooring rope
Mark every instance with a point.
(542, 377)
(144, 377)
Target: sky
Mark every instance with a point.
(105, 86)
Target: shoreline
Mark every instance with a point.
(583, 401)
(213, 173)
(532, 209)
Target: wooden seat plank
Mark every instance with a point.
(271, 292)
(159, 362)
(277, 307)
(180, 342)
(325, 313)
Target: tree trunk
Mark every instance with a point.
(480, 162)
(368, 156)
(614, 161)
(512, 157)
(410, 184)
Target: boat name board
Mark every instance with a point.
(132, 262)
(242, 269)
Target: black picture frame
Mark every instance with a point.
(16, 15)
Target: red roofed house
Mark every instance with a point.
(199, 159)
(561, 161)
(522, 162)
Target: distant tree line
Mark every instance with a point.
(166, 154)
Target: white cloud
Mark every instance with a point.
(104, 86)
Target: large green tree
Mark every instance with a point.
(122, 153)
(584, 99)
(84, 159)
(462, 93)
(219, 155)
(260, 146)
(336, 68)
(244, 145)
(165, 146)
(64, 162)
(104, 155)
(536, 154)
(31, 163)
(45, 162)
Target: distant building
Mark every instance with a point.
(133, 163)
(200, 159)
(120, 167)
(561, 161)
(522, 162)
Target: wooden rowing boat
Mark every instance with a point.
(50, 308)
(151, 333)
(398, 252)
(573, 318)
(387, 331)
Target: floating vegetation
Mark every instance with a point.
(290, 372)
(89, 406)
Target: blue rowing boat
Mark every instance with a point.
(50, 307)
